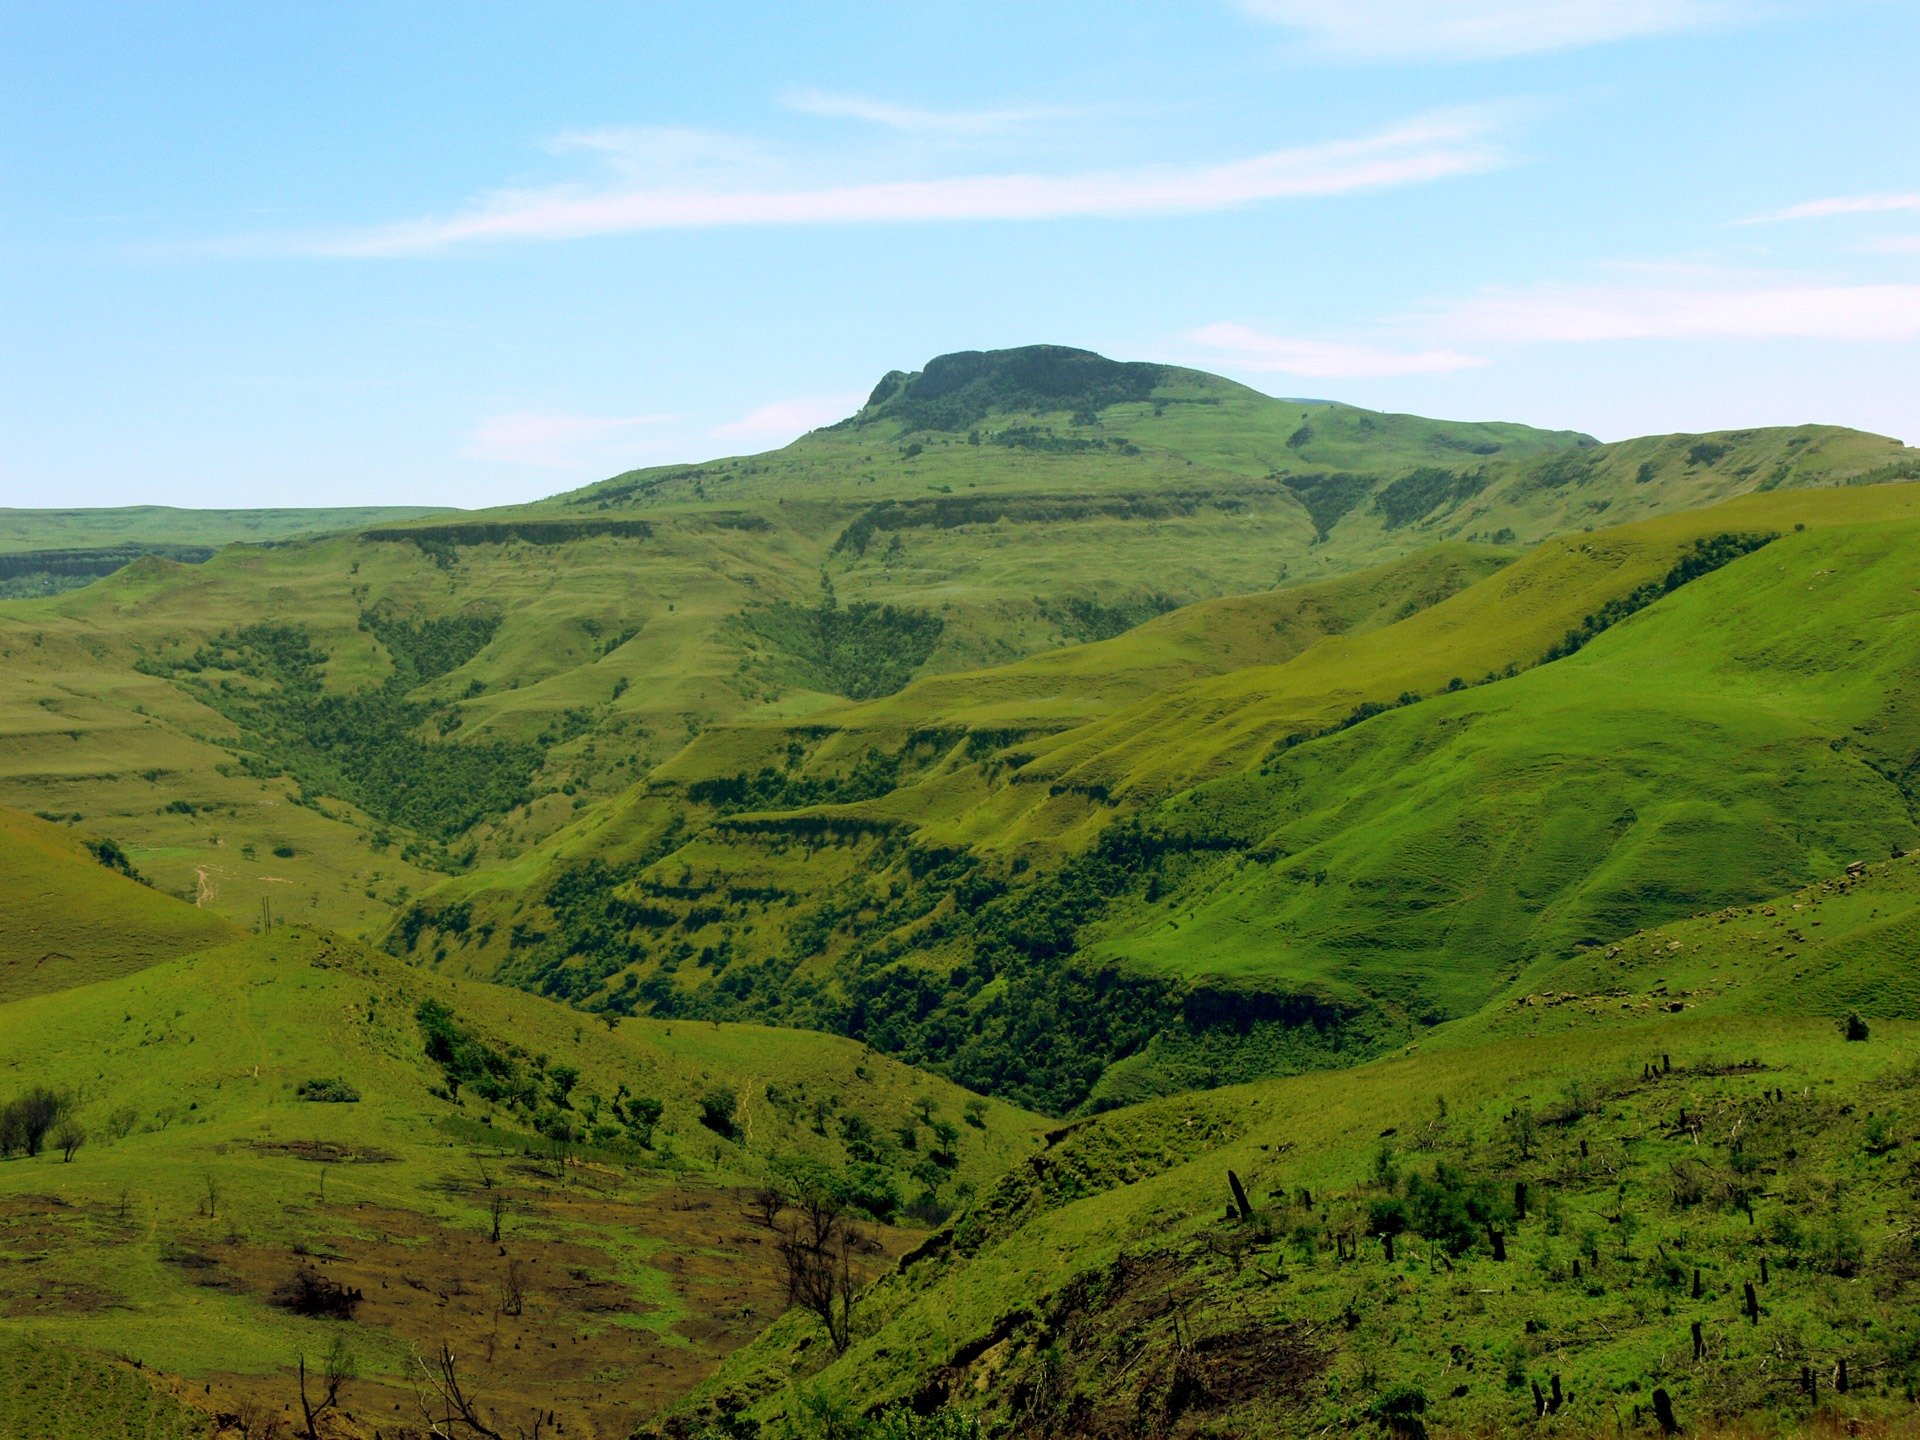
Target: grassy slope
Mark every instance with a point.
(184, 1073)
(70, 921)
(165, 525)
(1066, 1299)
(1734, 739)
(998, 543)
(1412, 862)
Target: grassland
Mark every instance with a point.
(136, 525)
(638, 613)
(72, 918)
(1233, 846)
(206, 1179)
(1672, 1154)
(1472, 838)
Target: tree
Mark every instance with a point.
(450, 1412)
(1854, 1028)
(69, 1135)
(718, 1108)
(816, 1236)
(26, 1121)
(337, 1370)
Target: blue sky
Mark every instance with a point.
(467, 254)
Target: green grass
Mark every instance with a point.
(1464, 785)
(187, 1074)
(1695, 751)
(25, 530)
(53, 1393)
(1078, 1295)
(627, 610)
(70, 920)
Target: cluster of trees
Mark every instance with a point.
(875, 774)
(540, 1092)
(363, 745)
(861, 651)
(31, 1121)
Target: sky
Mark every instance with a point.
(471, 254)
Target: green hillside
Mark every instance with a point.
(95, 529)
(43, 552)
(74, 915)
(523, 665)
(1448, 882)
(1283, 866)
(1511, 1237)
(276, 1104)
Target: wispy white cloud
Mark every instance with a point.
(551, 441)
(1398, 30)
(787, 418)
(714, 192)
(1780, 311)
(914, 119)
(1244, 348)
(1893, 244)
(1840, 205)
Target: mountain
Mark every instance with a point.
(1448, 885)
(1425, 780)
(518, 667)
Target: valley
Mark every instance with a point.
(1227, 915)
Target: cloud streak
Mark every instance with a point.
(1244, 348)
(1418, 151)
(1580, 315)
(1441, 30)
(914, 119)
(1840, 205)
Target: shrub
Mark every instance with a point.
(309, 1292)
(718, 1108)
(1854, 1028)
(332, 1092)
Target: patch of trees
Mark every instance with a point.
(952, 513)
(861, 651)
(501, 532)
(114, 858)
(1328, 496)
(1083, 620)
(364, 745)
(1420, 492)
(1048, 442)
(876, 773)
(542, 1094)
(32, 1120)
(327, 1091)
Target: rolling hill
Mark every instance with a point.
(1448, 882)
(522, 665)
(255, 1108)
(43, 552)
(1282, 865)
